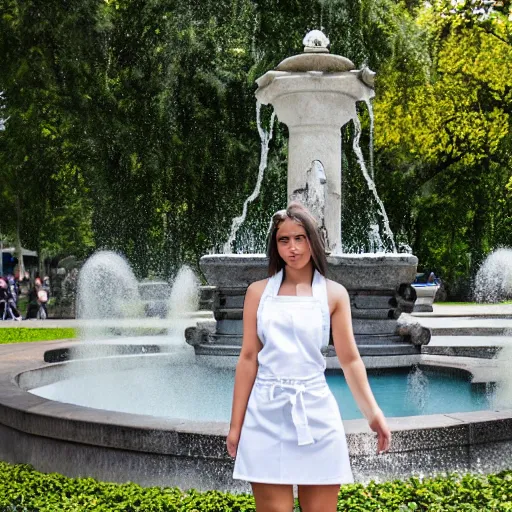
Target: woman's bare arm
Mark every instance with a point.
(247, 365)
(352, 364)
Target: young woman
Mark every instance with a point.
(286, 426)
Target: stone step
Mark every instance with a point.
(229, 327)
(211, 349)
(381, 350)
(383, 339)
(234, 313)
(479, 351)
(373, 314)
(231, 301)
(470, 330)
(360, 326)
(236, 340)
(369, 326)
(226, 339)
(215, 349)
(361, 301)
(228, 314)
(368, 302)
(389, 350)
(85, 351)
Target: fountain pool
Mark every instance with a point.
(156, 389)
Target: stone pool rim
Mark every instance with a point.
(24, 413)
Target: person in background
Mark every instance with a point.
(14, 288)
(431, 278)
(7, 303)
(33, 301)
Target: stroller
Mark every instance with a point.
(7, 302)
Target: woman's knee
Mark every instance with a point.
(318, 498)
(273, 498)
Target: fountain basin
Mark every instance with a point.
(357, 272)
(378, 285)
(151, 450)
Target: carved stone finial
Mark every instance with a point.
(316, 42)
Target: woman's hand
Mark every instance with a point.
(232, 441)
(379, 425)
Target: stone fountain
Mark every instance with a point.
(44, 423)
(315, 94)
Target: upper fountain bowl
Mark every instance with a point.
(316, 57)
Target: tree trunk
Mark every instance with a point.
(19, 249)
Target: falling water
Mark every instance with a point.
(494, 278)
(503, 376)
(265, 137)
(107, 289)
(183, 301)
(493, 283)
(370, 113)
(376, 244)
(417, 389)
(370, 182)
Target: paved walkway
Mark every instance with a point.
(49, 324)
(148, 322)
(477, 310)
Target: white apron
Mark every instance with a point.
(292, 431)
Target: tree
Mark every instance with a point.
(448, 125)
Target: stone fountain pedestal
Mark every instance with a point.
(379, 290)
(315, 94)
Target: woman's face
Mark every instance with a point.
(293, 244)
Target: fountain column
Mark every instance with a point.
(315, 94)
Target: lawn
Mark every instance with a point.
(25, 334)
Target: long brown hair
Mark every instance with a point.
(300, 214)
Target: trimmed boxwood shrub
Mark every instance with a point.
(24, 334)
(22, 489)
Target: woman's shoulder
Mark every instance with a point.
(254, 293)
(257, 288)
(335, 291)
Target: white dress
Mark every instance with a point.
(292, 431)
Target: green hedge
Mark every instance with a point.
(23, 334)
(22, 489)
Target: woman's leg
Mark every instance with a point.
(318, 498)
(273, 497)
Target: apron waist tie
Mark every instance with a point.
(299, 415)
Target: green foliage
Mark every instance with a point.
(445, 129)
(24, 334)
(131, 125)
(24, 489)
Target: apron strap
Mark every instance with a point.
(320, 293)
(271, 290)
